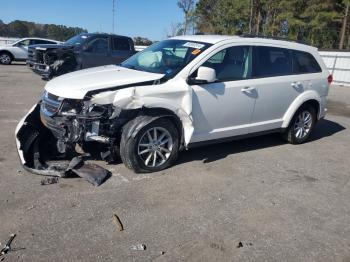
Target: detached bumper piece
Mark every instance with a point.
(37, 150)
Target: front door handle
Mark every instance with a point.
(248, 89)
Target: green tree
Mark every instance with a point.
(317, 22)
(29, 29)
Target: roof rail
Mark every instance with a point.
(274, 38)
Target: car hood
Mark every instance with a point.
(77, 84)
(52, 46)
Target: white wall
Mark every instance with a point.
(338, 64)
(7, 40)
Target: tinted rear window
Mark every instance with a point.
(121, 44)
(305, 63)
(36, 42)
(271, 61)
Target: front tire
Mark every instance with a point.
(5, 58)
(153, 148)
(301, 126)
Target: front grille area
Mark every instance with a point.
(30, 53)
(35, 55)
(50, 104)
(39, 56)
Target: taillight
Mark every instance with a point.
(330, 79)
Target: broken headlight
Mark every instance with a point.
(70, 107)
(99, 111)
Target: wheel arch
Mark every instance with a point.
(310, 98)
(7, 52)
(148, 115)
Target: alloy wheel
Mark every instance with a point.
(302, 125)
(5, 59)
(155, 147)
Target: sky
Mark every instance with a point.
(145, 18)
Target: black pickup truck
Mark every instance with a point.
(79, 52)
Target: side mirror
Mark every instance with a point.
(205, 75)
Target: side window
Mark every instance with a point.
(40, 42)
(271, 61)
(305, 63)
(121, 44)
(23, 43)
(230, 64)
(98, 45)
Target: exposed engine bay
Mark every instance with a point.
(57, 130)
(78, 122)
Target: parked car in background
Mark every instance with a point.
(179, 93)
(79, 52)
(18, 51)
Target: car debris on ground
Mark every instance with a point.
(49, 181)
(138, 247)
(117, 222)
(7, 247)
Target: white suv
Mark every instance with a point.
(18, 51)
(179, 93)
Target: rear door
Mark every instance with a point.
(122, 48)
(310, 72)
(276, 85)
(96, 52)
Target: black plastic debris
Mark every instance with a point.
(93, 173)
(240, 244)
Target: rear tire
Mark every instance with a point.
(153, 148)
(5, 58)
(301, 125)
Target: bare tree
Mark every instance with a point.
(187, 7)
(174, 30)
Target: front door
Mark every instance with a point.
(224, 108)
(96, 52)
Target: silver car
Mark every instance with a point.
(18, 51)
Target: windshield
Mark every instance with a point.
(166, 57)
(76, 40)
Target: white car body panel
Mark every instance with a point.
(210, 111)
(217, 120)
(75, 85)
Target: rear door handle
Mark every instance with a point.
(248, 89)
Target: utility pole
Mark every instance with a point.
(113, 11)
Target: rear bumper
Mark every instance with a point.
(323, 107)
(38, 68)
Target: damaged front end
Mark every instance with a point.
(55, 127)
(51, 61)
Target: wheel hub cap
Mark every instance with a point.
(4, 59)
(155, 147)
(303, 124)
